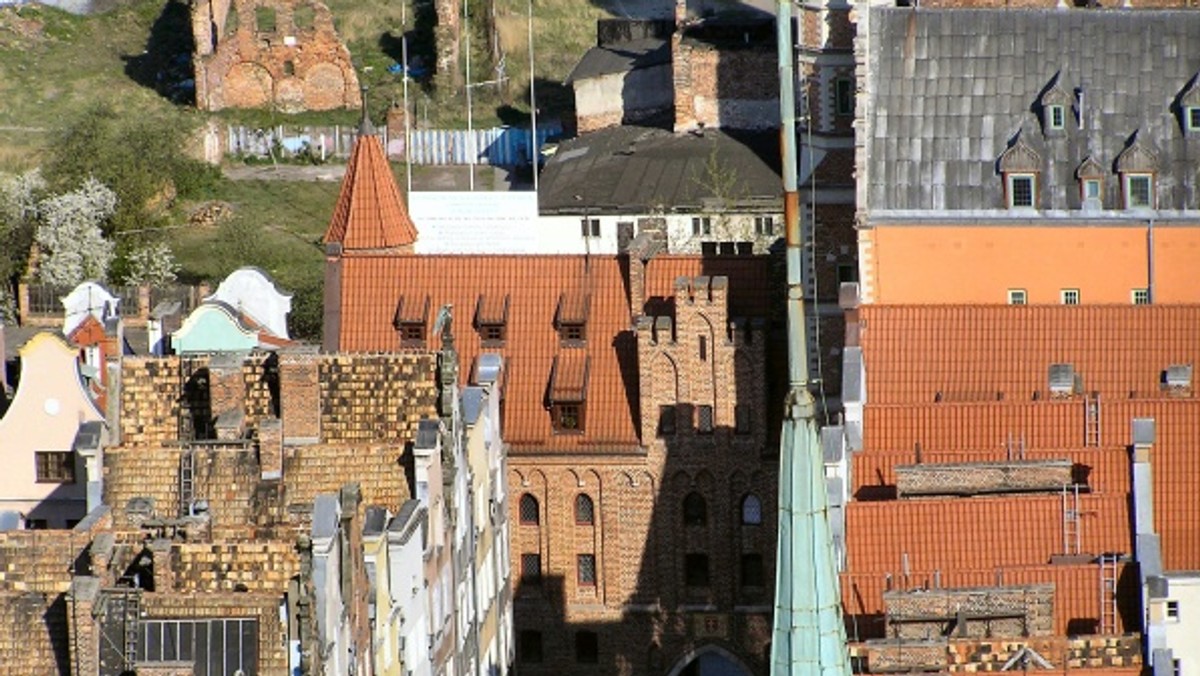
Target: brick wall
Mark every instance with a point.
(289, 67)
(978, 478)
(272, 657)
(972, 656)
(995, 611)
(728, 86)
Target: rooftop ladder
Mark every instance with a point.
(187, 483)
(1108, 593)
(133, 609)
(1091, 435)
(1071, 524)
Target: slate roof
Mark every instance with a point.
(640, 170)
(370, 213)
(605, 366)
(621, 57)
(951, 89)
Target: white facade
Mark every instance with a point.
(89, 298)
(1181, 621)
(251, 292)
(508, 223)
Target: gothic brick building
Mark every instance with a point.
(636, 406)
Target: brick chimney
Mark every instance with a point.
(681, 73)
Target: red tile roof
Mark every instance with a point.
(370, 213)
(983, 353)
(372, 285)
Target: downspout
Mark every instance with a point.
(1150, 260)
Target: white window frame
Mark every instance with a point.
(1018, 297)
(1056, 111)
(1140, 296)
(1090, 181)
(701, 226)
(1010, 180)
(1171, 611)
(590, 227)
(1128, 179)
(1069, 296)
(764, 226)
(1191, 118)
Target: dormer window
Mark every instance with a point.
(491, 320)
(568, 393)
(1091, 183)
(411, 320)
(1191, 119)
(1055, 102)
(1056, 117)
(1019, 165)
(1138, 165)
(1139, 191)
(1022, 191)
(571, 318)
(1189, 106)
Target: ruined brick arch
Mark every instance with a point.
(665, 372)
(324, 87)
(248, 85)
(704, 390)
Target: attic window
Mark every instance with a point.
(1056, 117)
(1091, 183)
(1022, 190)
(491, 320)
(571, 318)
(411, 320)
(1139, 191)
(568, 393)
(1019, 166)
(1191, 118)
(1137, 165)
(1055, 102)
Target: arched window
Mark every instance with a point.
(529, 510)
(585, 510)
(751, 510)
(695, 510)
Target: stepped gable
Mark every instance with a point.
(370, 213)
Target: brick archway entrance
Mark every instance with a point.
(710, 660)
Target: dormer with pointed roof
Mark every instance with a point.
(370, 215)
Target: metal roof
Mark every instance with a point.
(621, 57)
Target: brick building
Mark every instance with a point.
(635, 406)
(279, 54)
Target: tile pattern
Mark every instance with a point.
(370, 213)
(950, 89)
(536, 287)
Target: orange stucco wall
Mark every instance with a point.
(978, 264)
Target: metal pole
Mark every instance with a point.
(533, 105)
(407, 125)
(797, 340)
(470, 125)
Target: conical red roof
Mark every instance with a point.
(370, 214)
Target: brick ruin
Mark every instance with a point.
(280, 54)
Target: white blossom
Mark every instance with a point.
(152, 264)
(73, 248)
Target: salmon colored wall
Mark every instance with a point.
(978, 264)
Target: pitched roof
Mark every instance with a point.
(921, 354)
(945, 102)
(640, 170)
(605, 365)
(621, 57)
(370, 213)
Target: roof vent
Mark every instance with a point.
(1062, 379)
(1178, 376)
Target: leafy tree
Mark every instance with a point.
(153, 264)
(19, 197)
(70, 235)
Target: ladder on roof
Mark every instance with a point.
(1108, 593)
(1071, 524)
(132, 615)
(1091, 435)
(187, 482)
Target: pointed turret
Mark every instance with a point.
(370, 213)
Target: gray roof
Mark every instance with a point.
(621, 57)
(950, 90)
(638, 170)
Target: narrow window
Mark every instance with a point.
(1141, 296)
(701, 225)
(751, 510)
(590, 227)
(1139, 191)
(1055, 117)
(1173, 610)
(741, 419)
(529, 510)
(695, 570)
(55, 467)
(666, 420)
(695, 510)
(586, 565)
(844, 92)
(1191, 116)
(587, 647)
(847, 272)
(289, 68)
(1091, 189)
(1069, 296)
(703, 348)
(585, 510)
(704, 419)
(531, 568)
(752, 570)
(529, 647)
(1016, 297)
(1021, 191)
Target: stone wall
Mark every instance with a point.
(279, 54)
(994, 611)
(725, 83)
(972, 656)
(978, 478)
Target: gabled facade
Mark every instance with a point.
(46, 484)
(1052, 163)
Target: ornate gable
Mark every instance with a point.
(1020, 157)
(1137, 158)
(1089, 168)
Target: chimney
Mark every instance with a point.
(681, 73)
(300, 396)
(270, 449)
